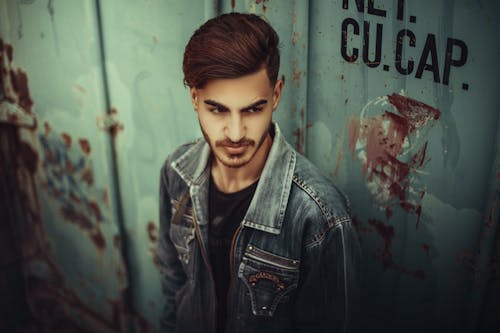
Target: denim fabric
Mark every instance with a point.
(295, 258)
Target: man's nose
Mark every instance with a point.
(235, 129)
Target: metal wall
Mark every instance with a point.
(395, 100)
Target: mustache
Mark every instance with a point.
(228, 143)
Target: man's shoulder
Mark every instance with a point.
(318, 193)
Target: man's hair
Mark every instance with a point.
(229, 46)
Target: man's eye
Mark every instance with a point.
(215, 110)
(254, 109)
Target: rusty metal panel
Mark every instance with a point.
(403, 108)
(143, 46)
(56, 165)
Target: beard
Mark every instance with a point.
(234, 160)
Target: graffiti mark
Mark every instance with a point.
(389, 139)
(384, 254)
(70, 179)
(50, 297)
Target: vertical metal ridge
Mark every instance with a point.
(127, 295)
(211, 8)
(307, 35)
(486, 246)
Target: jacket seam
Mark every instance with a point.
(332, 222)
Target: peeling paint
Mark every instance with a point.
(392, 149)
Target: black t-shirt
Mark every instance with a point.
(226, 211)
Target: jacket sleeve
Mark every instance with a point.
(328, 293)
(172, 275)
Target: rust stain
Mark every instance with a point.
(95, 210)
(381, 139)
(15, 78)
(296, 73)
(152, 231)
(67, 139)
(85, 146)
(153, 238)
(233, 5)
(116, 127)
(50, 296)
(98, 239)
(384, 254)
(88, 176)
(81, 220)
(299, 133)
(354, 128)
(426, 247)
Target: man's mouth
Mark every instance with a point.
(236, 149)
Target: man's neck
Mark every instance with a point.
(230, 180)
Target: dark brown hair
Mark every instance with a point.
(229, 46)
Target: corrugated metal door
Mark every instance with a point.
(395, 100)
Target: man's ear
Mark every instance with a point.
(194, 97)
(278, 88)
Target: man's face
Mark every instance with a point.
(235, 115)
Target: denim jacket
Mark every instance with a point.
(294, 260)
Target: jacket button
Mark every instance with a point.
(250, 247)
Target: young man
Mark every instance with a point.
(252, 237)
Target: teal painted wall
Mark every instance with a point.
(92, 101)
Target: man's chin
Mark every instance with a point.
(234, 161)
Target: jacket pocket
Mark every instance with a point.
(269, 279)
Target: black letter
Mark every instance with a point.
(359, 3)
(399, 51)
(378, 45)
(430, 47)
(375, 11)
(449, 61)
(401, 4)
(343, 48)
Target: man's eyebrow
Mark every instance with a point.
(215, 104)
(254, 105)
(225, 108)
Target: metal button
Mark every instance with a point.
(250, 247)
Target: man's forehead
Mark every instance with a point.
(237, 92)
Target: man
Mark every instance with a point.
(252, 237)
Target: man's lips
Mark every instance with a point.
(236, 149)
